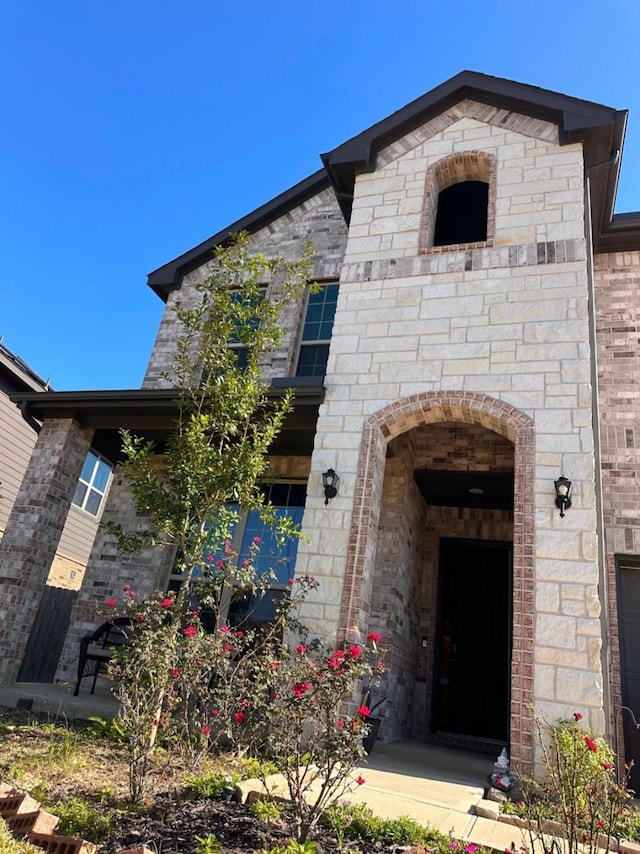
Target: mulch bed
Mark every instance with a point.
(171, 827)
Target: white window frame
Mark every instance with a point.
(90, 486)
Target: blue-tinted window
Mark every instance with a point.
(254, 610)
(316, 332)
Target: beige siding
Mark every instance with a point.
(17, 441)
(78, 535)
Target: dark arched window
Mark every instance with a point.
(460, 202)
(462, 213)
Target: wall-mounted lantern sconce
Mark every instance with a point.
(563, 494)
(330, 483)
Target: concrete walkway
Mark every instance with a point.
(435, 786)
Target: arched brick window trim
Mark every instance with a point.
(398, 418)
(462, 166)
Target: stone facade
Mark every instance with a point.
(513, 355)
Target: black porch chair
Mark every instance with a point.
(96, 649)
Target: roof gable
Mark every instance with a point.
(599, 128)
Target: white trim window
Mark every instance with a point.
(316, 332)
(93, 483)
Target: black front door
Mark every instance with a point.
(473, 652)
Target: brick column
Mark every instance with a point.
(33, 532)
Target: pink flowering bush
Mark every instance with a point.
(306, 721)
(581, 791)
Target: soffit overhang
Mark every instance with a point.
(600, 129)
(152, 413)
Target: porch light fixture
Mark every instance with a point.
(563, 494)
(330, 483)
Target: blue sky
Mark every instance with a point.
(133, 130)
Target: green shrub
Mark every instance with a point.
(209, 785)
(251, 767)
(266, 809)
(82, 817)
(208, 844)
(357, 821)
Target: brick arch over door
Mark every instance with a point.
(398, 418)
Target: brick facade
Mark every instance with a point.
(617, 297)
(33, 532)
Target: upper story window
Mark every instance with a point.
(235, 343)
(462, 214)
(93, 483)
(459, 205)
(316, 332)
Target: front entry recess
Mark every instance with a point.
(472, 672)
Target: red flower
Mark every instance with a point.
(167, 603)
(239, 717)
(364, 711)
(591, 744)
(607, 766)
(354, 650)
(336, 660)
(175, 672)
(224, 629)
(301, 648)
(227, 647)
(244, 704)
(239, 634)
(206, 730)
(360, 781)
(300, 689)
(577, 716)
(214, 713)
(374, 637)
(111, 603)
(209, 558)
(127, 587)
(339, 723)
(220, 564)
(190, 631)
(140, 617)
(291, 580)
(275, 665)
(257, 540)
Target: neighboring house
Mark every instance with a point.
(18, 436)
(475, 338)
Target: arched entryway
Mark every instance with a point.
(389, 463)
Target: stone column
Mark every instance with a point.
(33, 532)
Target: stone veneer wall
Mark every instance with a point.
(508, 321)
(617, 297)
